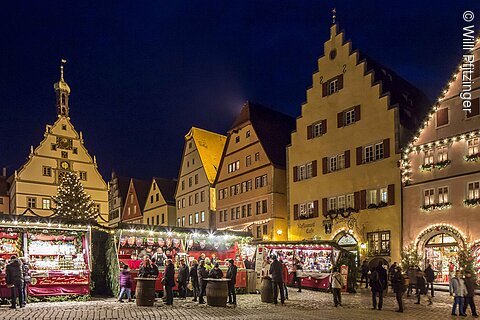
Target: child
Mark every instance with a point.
(125, 284)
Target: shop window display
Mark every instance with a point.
(441, 251)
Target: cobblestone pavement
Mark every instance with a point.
(307, 305)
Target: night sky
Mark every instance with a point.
(143, 72)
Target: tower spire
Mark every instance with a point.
(334, 15)
(62, 92)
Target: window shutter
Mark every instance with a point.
(363, 199)
(324, 165)
(295, 212)
(315, 209)
(340, 81)
(475, 108)
(391, 194)
(356, 199)
(386, 148)
(295, 174)
(442, 117)
(324, 126)
(347, 158)
(314, 168)
(359, 155)
(324, 206)
(339, 119)
(309, 132)
(476, 69)
(324, 89)
(357, 113)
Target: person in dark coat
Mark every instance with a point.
(146, 269)
(277, 282)
(378, 277)
(125, 284)
(202, 275)
(182, 279)
(154, 272)
(398, 284)
(194, 279)
(14, 280)
(470, 285)
(216, 273)
(169, 281)
(430, 276)
(232, 276)
(412, 277)
(365, 269)
(422, 288)
(26, 278)
(297, 269)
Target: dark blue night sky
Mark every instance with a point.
(143, 72)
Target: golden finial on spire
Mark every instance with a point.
(62, 62)
(334, 15)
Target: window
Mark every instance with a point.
(332, 204)
(183, 184)
(196, 198)
(257, 156)
(384, 195)
(472, 146)
(202, 196)
(190, 200)
(237, 213)
(341, 161)
(1, 200)
(372, 197)
(32, 202)
(64, 154)
(249, 185)
(258, 208)
(302, 210)
(378, 151)
(75, 150)
(332, 86)
(190, 181)
(190, 219)
(259, 231)
(379, 243)
(232, 214)
(46, 204)
(190, 145)
(442, 154)
(237, 139)
(428, 159)
(350, 200)
(154, 186)
(442, 117)
(429, 197)
(225, 215)
(475, 105)
(232, 190)
(196, 179)
(223, 193)
(265, 229)
(261, 181)
(188, 164)
(473, 190)
(148, 221)
(341, 202)
(179, 204)
(248, 161)
(163, 218)
(220, 216)
(196, 217)
(368, 156)
(244, 211)
(309, 170)
(333, 164)
(443, 195)
(64, 127)
(47, 171)
(302, 172)
(151, 199)
(183, 221)
(178, 222)
(247, 134)
(264, 206)
(234, 166)
(53, 146)
(158, 220)
(83, 175)
(249, 210)
(317, 129)
(244, 186)
(183, 203)
(349, 117)
(157, 197)
(134, 209)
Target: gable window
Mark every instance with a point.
(46, 204)
(47, 171)
(53, 146)
(196, 179)
(443, 195)
(348, 116)
(183, 184)
(151, 199)
(237, 139)
(428, 158)
(202, 216)
(234, 166)
(442, 154)
(190, 181)
(196, 198)
(75, 150)
(332, 86)
(247, 134)
(317, 129)
(428, 197)
(473, 146)
(248, 161)
(31, 202)
(202, 196)
(196, 217)
(157, 197)
(64, 127)
(473, 190)
(442, 117)
(83, 175)
(154, 186)
(257, 156)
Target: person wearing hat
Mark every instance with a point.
(216, 273)
(277, 280)
(232, 277)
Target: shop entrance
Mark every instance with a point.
(441, 251)
(349, 243)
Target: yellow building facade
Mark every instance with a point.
(62, 149)
(159, 207)
(343, 176)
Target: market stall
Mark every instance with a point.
(58, 252)
(317, 258)
(133, 242)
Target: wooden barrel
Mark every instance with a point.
(145, 292)
(267, 290)
(217, 292)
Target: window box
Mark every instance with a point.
(471, 202)
(472, 158)
(439, 165)
(381, 204)
(436, 206)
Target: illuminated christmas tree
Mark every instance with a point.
(410, 257)
(72, 201)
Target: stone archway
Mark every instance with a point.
(348, 242)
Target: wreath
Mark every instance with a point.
(332, 214)
(346, 213)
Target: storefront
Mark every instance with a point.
(317, 259)
(58, 252)
(134, 242)
(348, 242)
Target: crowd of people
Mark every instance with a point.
(17, 278)
(189, 278)
(418, 282)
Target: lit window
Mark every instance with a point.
(428, 159)
(429, 197)
(473, 146)
(183, 221)
(384, 195)
(372, 197)
(379, 243)
(473, 190)
(341, 161)
(309, 170)
(301, 172)
(248, 161)
(341, 202)
(190, 219)
(46, 204)
(443, 195)
(442, 154)
(196, 217)
(178, 222)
